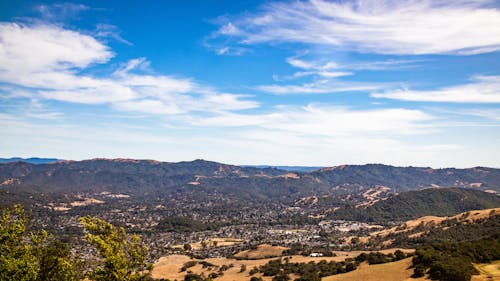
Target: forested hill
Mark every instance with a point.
(200, 176)
(414, 204)
(407, 178)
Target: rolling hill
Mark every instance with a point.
(414, 204)
(142, 177)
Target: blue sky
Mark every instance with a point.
(246, 82)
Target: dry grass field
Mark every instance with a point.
(169, 267)
(394, 271)
(263, 251)
(488, 272)
(466, 217)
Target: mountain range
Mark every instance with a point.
(142, 177)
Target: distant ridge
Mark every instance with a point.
(303, 169)
(32, 160)
(206, 179)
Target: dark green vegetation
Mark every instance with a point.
(460, 232)
(458, 229)
(415, 204)
(453, 261)
(32, 256)
(37, 256)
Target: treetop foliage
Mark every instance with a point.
(28, 256)
(123, 258)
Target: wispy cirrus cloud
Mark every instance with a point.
(103, 30)
(330, 65)
(60, 11)
(386, 27)
(322, 78)
(482, 89)
(57, 71)
(324, 86)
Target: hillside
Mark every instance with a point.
(414, 204)
(466, 226)
(249, 183)
(124, 175)
(409, 178)
(394, 271)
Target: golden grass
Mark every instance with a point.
(262, 251)
(428, 221)
(487, 271)
(169, 266)
(394, 271)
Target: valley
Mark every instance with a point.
(237, 218)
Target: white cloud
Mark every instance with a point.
(60, 11)
(329, 65)
(205, 122)
(327, 70)
(483, 89)
(319, 87)
(488, 113)
(110, 31)
(324, 74)
(313, 135)
(26, 49)
(55, 71)
(317, 120)
(387, 27)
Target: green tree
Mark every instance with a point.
(56, 263)
(32, 256)
(17, 256)
(123, 257)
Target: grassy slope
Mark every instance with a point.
(394, 271)
(414, 204)
(169, 266)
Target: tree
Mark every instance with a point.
(17, 256)
(56, 263)
(32, 256)
(123, 257)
